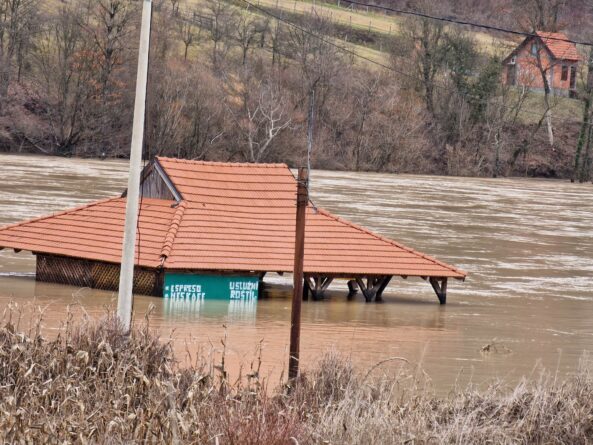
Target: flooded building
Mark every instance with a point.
(216, 229)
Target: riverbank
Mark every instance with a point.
(543, 162)
(93, 384)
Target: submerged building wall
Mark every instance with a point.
(95, 274)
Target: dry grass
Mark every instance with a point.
(92, 384)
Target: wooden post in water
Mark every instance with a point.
(299, 256)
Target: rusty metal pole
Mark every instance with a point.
(299, 256)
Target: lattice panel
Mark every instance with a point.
(105, 276)
(63, 270)
(95, 274)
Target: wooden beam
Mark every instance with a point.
(440, 288)
(382, 285)
(326, 282)
(317, 285)
(352, 289)
(306, 289)
(363, 288)
(374, 287)
(310, 284)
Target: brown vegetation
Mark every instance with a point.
(92, 384)
(234, 84)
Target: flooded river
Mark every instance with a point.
(527, 245)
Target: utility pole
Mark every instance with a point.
(310, 130)
(126, 278)
(299, 256)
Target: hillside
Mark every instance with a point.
(230, 82)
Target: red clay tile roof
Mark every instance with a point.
(560, 49)
(94, 231)
(232, 217)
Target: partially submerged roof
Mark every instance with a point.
(94, 231)
(227, 217)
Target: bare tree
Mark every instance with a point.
(543, 15)
(365, 94)
(110, 28)
(318, 64)
(171, 100)
(583, 161)
(261, 114)
(16, 19)
(540, 15)
(66, 64)
(246, 30)
(424, 41)
(278, 38)
(189, 34)
(174, 7)
(205, 121)
(316, 57)
(223, 17)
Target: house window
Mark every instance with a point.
(534, 49)
(564, 73)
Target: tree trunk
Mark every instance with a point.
(586, 119)
(496, 169)
(582, 137)
(547, 91)
(4, 80)
(586, 164)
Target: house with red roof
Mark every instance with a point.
(548, 54)
(208, 225)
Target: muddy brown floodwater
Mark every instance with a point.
(527, 245)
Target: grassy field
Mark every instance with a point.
(372, 21)
(302, 8)
(563, 109)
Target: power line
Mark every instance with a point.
(463, 22)
(382, 65)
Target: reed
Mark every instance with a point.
(92, 384)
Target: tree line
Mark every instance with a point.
(231, 82)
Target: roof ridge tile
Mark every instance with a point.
(172, 232)
(223, 164)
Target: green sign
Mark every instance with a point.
(181, 286)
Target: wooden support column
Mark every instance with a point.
(261, 283)
(382, 285)
(352, 289)
(317, 285)
(306, 289)
(374, 287)
(299, 258)
(440, 288)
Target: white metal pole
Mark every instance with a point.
(126, 278)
